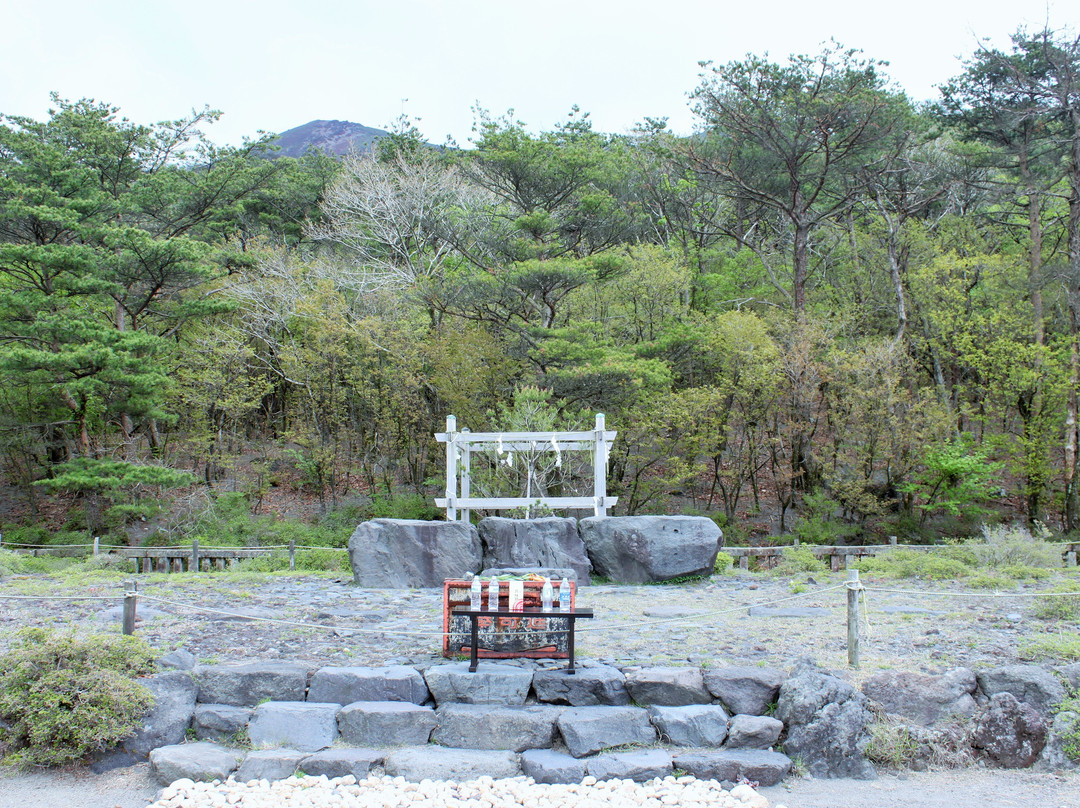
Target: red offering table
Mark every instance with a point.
(505, 634)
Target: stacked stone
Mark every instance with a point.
(504, 720)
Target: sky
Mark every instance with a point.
(276, 64)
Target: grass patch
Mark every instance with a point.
(1064, 647)
(891, 744)
(1062, 602)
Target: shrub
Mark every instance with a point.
(799, 559)
(912, 564)
(724, 562)
(1057, 605)
(64, 696)
(1010, 546)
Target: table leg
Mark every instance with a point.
(570, 645)
(475, 620)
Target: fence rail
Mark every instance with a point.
(190, 558)
(842, 557)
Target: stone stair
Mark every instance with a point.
(504, 720)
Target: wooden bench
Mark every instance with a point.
(474, 616)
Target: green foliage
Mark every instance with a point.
(724, 562)
(956, 479)
(1063, 647)
(400, 506)
(799, 559)
(901, 563)
(1061, 602)
(318, 560)
(1014, 547)
(891, 744)
(65, 696)
(1069, 710)
(819, 525)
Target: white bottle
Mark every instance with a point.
(564, 595)
(493, 594)
(476, 592)
(546, 594)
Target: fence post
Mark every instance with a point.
(853, 587)
(292, 555)
(194, 567)
(129, 607)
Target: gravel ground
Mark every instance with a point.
(919, 626)
(914, 625)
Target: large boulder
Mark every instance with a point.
(407, 553)
(549, 542)
(346, 685)
(248, 683)
(645, 549)
(745, 690)
(1011, 733)
(168, 720)
(586, 687)
(828, 724)
(1062, 732)
(924, 700)
(1029, 683)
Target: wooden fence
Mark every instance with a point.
(842, 557)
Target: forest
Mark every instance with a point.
(829, 313)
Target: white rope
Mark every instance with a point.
(298, 623)
(60, 597)
(715, 613)
(977, 594)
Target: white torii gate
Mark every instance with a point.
(460, 445)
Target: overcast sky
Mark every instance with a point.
(276, 64)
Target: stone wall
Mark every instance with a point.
(442, 722)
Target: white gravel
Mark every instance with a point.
(484, 792)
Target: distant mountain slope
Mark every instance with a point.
(334, 137)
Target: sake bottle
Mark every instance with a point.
(546, 594)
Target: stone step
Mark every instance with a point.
(203, 760)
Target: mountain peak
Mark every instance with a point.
(332, 137)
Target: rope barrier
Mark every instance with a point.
(61, 597)
(976, 594)
(715, 613)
